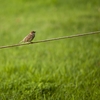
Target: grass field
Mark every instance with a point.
(60, 70)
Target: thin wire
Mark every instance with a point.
(52, 39)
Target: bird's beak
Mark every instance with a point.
(34, 31)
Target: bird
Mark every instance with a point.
(29, 37)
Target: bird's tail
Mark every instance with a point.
(21, 41)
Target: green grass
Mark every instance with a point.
(60, 70)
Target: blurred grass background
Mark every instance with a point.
(61, 70)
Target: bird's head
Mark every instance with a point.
(33, 31)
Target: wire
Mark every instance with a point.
(52, 39)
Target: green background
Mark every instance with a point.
(60, 70)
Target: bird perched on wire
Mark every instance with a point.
(29, 37)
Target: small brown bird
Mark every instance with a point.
(29, 37)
